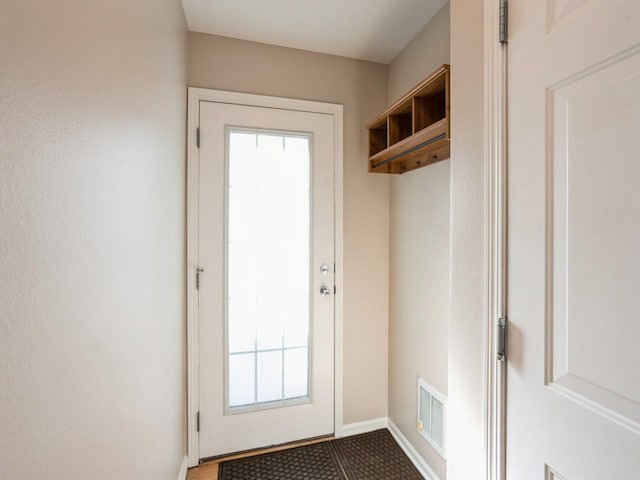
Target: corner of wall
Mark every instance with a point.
(419, 246)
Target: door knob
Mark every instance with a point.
(324, 290)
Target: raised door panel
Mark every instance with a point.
(594, 199)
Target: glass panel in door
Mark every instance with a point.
(268, 273)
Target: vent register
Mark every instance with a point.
(432, 416)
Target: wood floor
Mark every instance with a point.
(209, 470)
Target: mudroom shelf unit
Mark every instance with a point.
(415, 131)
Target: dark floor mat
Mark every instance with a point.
(370, 456)
(374, 456)
(312, 462)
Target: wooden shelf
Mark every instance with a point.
(415, 131)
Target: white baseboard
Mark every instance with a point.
(423, 467)
(182, 475)
(364, 427)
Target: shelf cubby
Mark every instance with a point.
(415, 131)
(378, 137)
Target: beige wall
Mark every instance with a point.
(92, 236)
(237, 65)
(92, 216)
(427, 51)
(419, 256)
(466, 442)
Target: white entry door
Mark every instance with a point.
(574, 240)
(266, 292)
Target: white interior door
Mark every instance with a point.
(574, 240)
(266, 303)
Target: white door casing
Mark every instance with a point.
(213, 111)
(573, 409)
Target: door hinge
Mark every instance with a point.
(501, 339)
(198, 137)
(335, 289)
(504, 21)
(198, 272)
(198, 422)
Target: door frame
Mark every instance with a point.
(195, 96)
(496, 229)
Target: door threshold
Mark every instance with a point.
(272, 448)
(208, 467)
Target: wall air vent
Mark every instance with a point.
(432, 416)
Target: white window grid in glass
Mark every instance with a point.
(286, 350)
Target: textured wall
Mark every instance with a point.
(466, 328)
(429, 49)
(92, 192)
(419, 255)
(237, 65)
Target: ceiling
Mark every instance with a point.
(374, 30)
